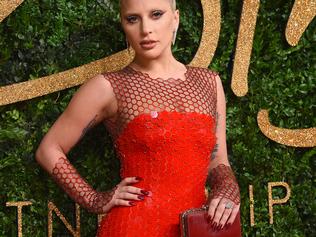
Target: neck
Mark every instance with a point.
(163, 64)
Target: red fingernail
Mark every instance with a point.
(132, 203)
(138, 178)
(217, 227)
(144, 192)
(214, 225)
(141, 197)
(228, 225)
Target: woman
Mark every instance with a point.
(166, 120)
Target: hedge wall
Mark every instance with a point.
(43, 37)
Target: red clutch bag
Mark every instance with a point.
(193, 223)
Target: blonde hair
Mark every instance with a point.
(172, 3)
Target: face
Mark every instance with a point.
(149, 26)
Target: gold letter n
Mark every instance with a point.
(52, 208)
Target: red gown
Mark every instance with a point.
(164, 132)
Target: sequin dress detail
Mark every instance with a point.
(164, 132)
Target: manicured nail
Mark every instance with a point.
(228, 225)
(132, 203)
(144, 192)
(217, 227)
(138, 178)
(141, 197)
(214, 225)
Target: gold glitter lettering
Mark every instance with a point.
(289, 137)
(302, 14)
(210, 35)
(7, 7)
(277, 201)
(251, 206)
(52, 208)
(246, 32)
(19, 205)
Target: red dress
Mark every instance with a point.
(164, 132)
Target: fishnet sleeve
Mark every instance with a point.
(67, 177)
(223, 184)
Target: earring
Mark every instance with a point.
(174, 37)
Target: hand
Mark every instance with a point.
(222, 211)
(124, 193)
(224, 197)
(67, 177)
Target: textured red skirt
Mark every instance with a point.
(171, 152)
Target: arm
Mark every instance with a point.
(224, 187)
(89, 106)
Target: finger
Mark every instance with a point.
(225, 216)
(135, 190)
(233, 215)
(212, 207)
(127, 196)
(122, 202)
(129, 180)
(219, 213)
(131, 192)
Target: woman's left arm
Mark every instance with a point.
(225, 196)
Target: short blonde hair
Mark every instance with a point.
(172, 3)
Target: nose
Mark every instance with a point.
(146, 27)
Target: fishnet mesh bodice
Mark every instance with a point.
(137, 93)
(164, 132)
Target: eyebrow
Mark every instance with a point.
(137, 14)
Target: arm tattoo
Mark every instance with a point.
(88, 127)
(215, 149)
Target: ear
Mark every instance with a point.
(176, 18)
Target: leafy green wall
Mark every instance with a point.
(43, 37)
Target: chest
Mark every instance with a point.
(146, 96)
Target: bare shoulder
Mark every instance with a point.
(98, 83)
(95, 94)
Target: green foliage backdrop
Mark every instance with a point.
(43, 37)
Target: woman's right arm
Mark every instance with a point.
(92, 103)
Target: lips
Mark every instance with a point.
(148, 44)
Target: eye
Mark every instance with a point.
(157, 14)
(131, 19)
